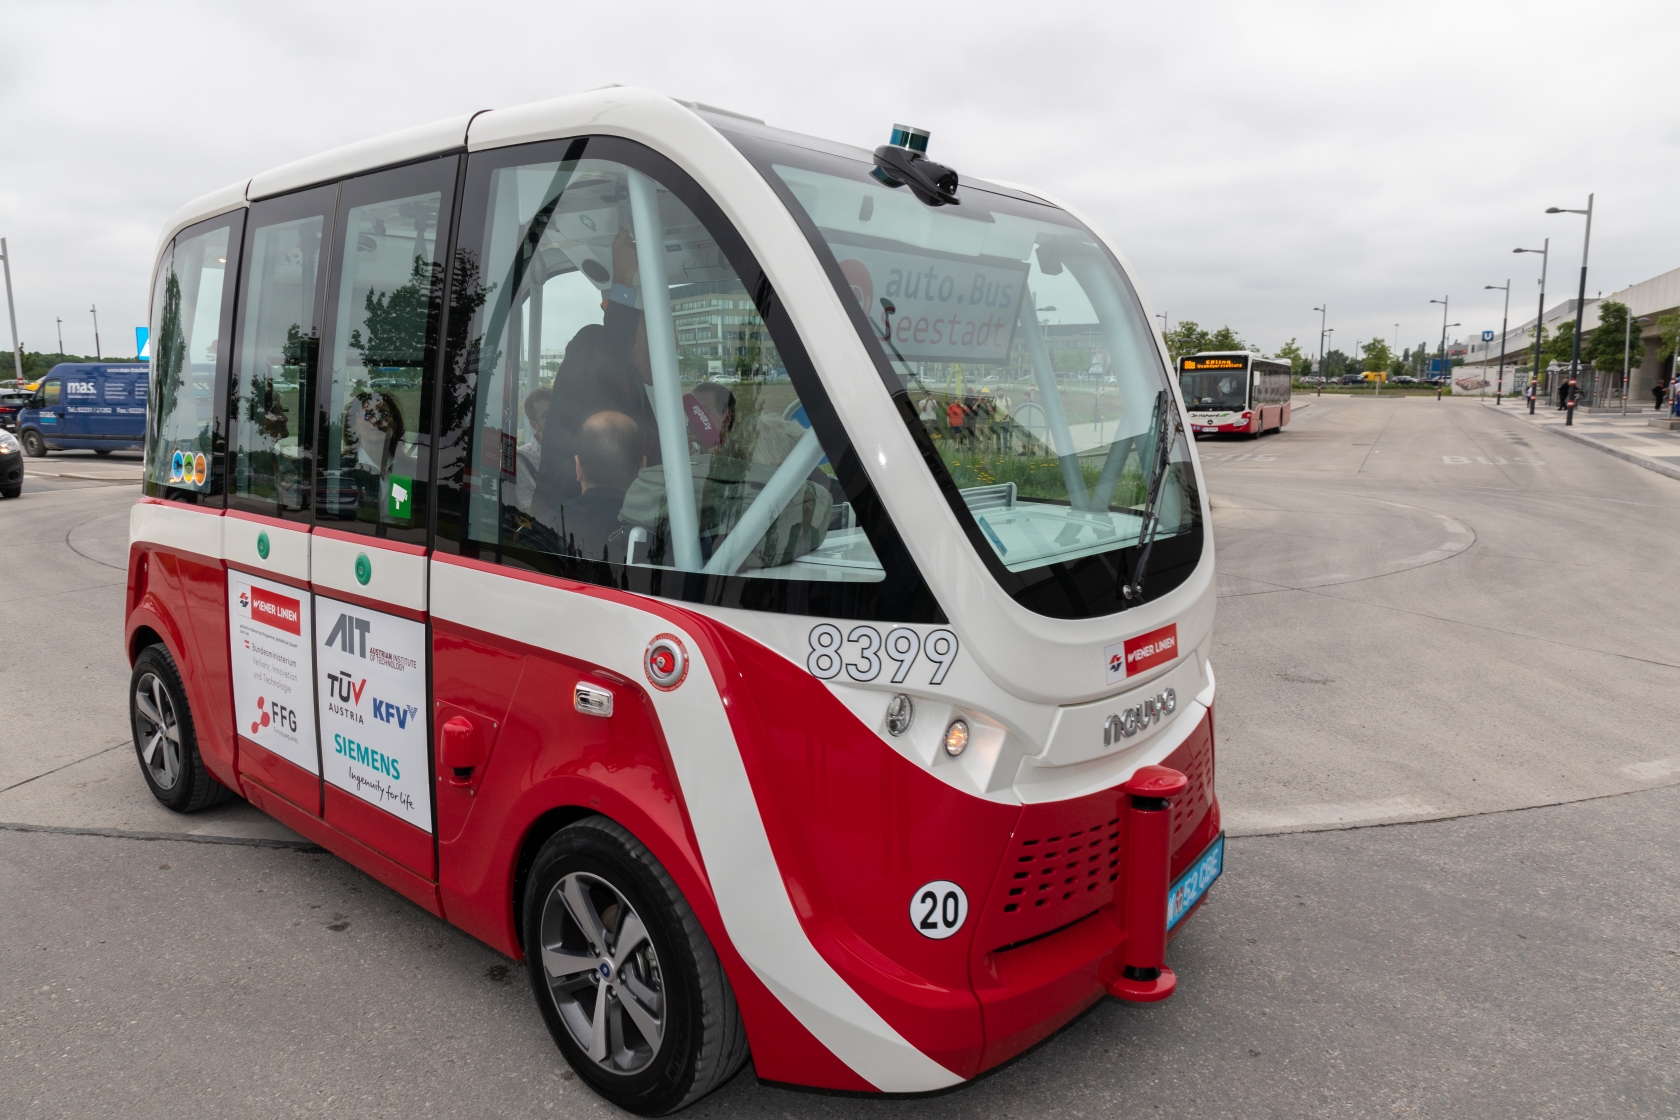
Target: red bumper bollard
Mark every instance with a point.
(1139, 971)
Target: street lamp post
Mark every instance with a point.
(17, 347)
(1504, 324)
(1581, 298)
(60, 339)
(98, 356)
(1443, 303)
(1545, 252)
(1323, 316)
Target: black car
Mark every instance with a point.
(10, 401)
(11, 465)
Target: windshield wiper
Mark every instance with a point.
(1167, 431)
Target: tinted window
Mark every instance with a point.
(386, 297)
(629, 403)
(279, 337)
(191, 303)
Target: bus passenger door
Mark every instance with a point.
(368, 552)
(265, 533)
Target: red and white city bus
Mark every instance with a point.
(544, 513)
(1234, 392)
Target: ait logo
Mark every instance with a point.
(263, 715)
(350, 634)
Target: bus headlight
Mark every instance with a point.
(956, 738)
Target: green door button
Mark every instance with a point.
(364, 568)
(262, 544)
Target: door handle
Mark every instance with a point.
(460, 749)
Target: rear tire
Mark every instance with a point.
(660, 1028)
(102, 451)
(33, 445)
(163, 735)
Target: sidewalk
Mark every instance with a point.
(1632, 438)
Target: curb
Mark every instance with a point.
(1628, 456)
(179, 837)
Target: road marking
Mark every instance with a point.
(1649, 771)
(1329, 813)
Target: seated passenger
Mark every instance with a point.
(609, 453)
(734, 463)
(530, 454)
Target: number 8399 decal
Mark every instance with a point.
(864, 654)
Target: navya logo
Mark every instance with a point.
(350, 634)
(398, 714)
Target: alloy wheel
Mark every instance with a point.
(603, 973)
(160, 731)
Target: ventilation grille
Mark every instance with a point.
(1063, 875)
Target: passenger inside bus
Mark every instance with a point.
(571, 259)
(609, 455)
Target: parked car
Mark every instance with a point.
(86, 406)
(11, 465)
(1404, 379)
(11, 402)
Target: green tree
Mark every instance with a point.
(1610, 344)
(1668, 328)
(1377, 355)
(1186, 338)
(1561, 346)
(1290, 352)
(1336, 364)
(1225, 339)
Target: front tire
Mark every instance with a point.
(33, 445)
(163, 735)
(624, 976)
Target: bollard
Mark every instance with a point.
(1138, 971)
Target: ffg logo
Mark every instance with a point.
(350, 634)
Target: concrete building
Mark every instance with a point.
(1650, 299)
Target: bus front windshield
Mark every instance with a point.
(1214, 384)
(1026, 357)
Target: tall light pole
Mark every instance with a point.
(1545, 252)
(1323, 317)
(1581, 298)
(1499, 389)
(17, 347)
(60, 339)
(1443, 303)
(97, 355)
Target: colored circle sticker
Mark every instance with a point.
(364, 568)
(177, 466)
(262, 544)
(201, 469)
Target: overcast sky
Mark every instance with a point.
(1252, 160)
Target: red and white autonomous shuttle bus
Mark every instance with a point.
(542, 514)
(1233, 392)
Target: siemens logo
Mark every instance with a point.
(367, 756)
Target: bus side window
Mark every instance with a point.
(192, 307)
(279, 321)
(629, 404)
(383, 325)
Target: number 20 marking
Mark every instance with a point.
(902, 647)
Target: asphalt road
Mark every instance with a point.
(1445, 756)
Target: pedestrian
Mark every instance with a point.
(1657, 392)
(1563, 392)
(1529, 393)
(954, 419)
(1571, 393)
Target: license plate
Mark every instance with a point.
(1211, 428)
(1188, 888)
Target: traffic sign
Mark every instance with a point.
(1487, 336)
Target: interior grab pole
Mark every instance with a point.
(667, 382)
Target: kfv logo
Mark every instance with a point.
(350, 634)
(398, 714)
